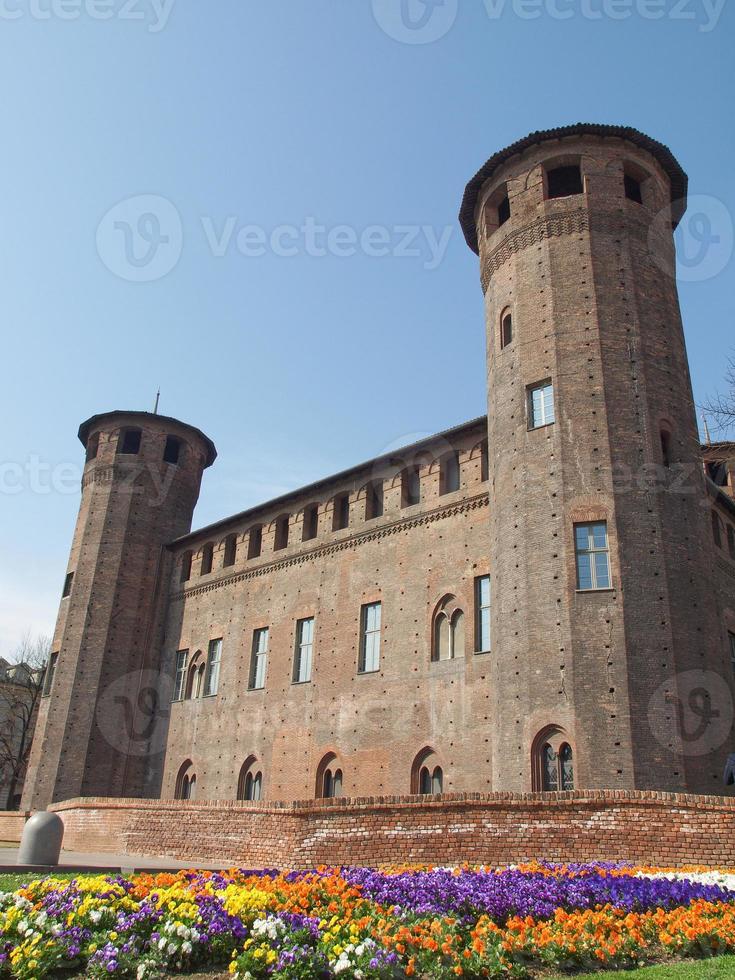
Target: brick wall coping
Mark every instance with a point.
(444, 802)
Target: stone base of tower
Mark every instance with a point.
(663, 829)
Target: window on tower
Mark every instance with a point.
(207, 559)
(66, 592)
(48, 681)
(374, 500)
(503, 210)
(410, 487)
(281, 537)
(258, 659)
(506, 328)
(128, 442)
(255, 542)
(564, 181)
(540, 405)
(482, 614)
(186, 566)
(592, 549)
(370, 638)
(311, 522)
(304, 650)
(211, 677)
(449, 472)
(172, 450)
(341, 515)
(93, 445)
(230, 555)
(633, 189)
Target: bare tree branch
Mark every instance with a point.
(721, 407)
(21, 686)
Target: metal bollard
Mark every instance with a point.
(41, 841)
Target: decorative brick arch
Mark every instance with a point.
(428, 765)
(185, 780)
(553, 739)
(329, 776)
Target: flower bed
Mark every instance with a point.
(365, 924)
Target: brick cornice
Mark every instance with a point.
(326, 550)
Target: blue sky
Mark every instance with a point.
(240, 118)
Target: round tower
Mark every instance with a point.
(610, 668)
(99, 719)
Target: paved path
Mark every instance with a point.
(124, 862)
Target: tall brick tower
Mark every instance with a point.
(610, 661)
(99, 723)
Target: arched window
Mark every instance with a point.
(195, 677)
(666, 447)
(564, 181)
(329, 777)
(250, 782)
(186, 781)
(552, 761)
(427, 775)
(448, 630)
(506, 327)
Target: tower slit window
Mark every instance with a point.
(68, 581)
(449, 472)
(341, 516)
(482, 614)
(731, 641)
(255, 542)
(48, 681)
(207, 559)
(374, 500)
(410, 487)
(506, 328)
(230, 555)
(311, 522)
(503, 210)
(281, 537)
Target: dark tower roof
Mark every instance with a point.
(667, 160)
(146, 418)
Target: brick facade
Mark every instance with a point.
(668, 830)
(635, 679)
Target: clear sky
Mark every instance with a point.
(258, 141)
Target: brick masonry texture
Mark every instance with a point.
(623, 675)
(669, 830)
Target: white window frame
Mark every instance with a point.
(259, 658)
(214, 659)
(180, 678)
(589, 553)
(481, 610)
(303, 656)
(546, 405)
(370, 637)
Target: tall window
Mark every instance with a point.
(370, 638)
(448, 630)
(552, 761)
(93, 445)
(731, 638)
(449, 472)
(259, 659)
(633, 189)
(186, 566)
(66, 591)
(281, 540)
(503, 210)
(427, 776)
(207, 559)
(332, 783)
(186, 782)
(410, 487)
(180, 679)
(506, 328)
(304, 650)
(564, 181)
(666, 447)
(374, 500)
(484, 461)
(482, 614)
(128, 442)
(172, 450)
(250, 783)
(593, 556)
(717, 529)
(230, 555)
(211, 678)
(311, 522)
(48, 681)
(540, 405)
(255, 542)
(341, 517)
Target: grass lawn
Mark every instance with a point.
(11, 883)
(717, 968)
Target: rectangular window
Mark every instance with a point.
(186, 566)
(370, 638)
(410, 487)
(128, 442)
(374, 500)
(449, 473)
(255, 542)
(593, 556)
(172, 450)
(304, 650)
(540, 405)
(311, 522)
(281, 540)
(259, 659)
(207, 559)
(211, 679)
(48, 682)
(731, 638)
(230, 556)
(67, 585)
(182, 657)
(482, 614)
(341, 517)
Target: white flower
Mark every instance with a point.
(172, 948)
(182, 931)
(95, 915)
(41, 917)
(186, 947)
(162, 942)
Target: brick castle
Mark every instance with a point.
(542, 599)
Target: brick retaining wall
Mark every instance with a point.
(12, 823)
(656, 828)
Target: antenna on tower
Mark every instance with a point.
(706, 429)
(155, 407)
